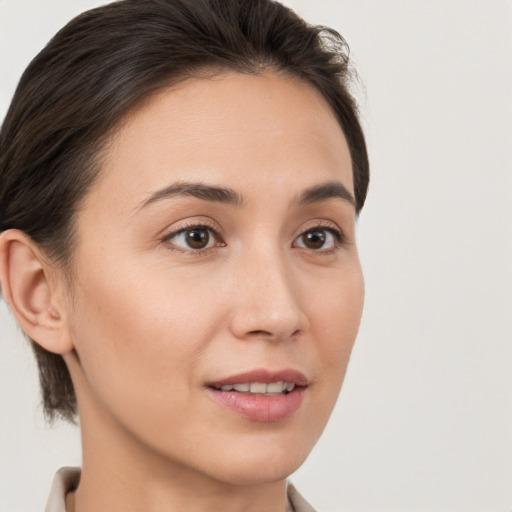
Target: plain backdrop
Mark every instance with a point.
(424, 421)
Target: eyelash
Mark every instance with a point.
(338, 234)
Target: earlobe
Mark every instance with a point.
(33, 297)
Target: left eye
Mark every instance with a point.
(317, 238)
(196, 238)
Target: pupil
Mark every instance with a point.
(314, 239)
(198, 238)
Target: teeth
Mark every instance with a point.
(257, 387)
(273, 388)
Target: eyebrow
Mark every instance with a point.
(198, 190)
(316, 194)
(329, 190)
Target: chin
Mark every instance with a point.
(256, 466)
(248, 474)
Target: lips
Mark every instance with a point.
(263, 376)
(261, 395)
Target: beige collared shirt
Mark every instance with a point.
(66, 480)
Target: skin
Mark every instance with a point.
(147, 321)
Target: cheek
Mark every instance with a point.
(338, 312)
(340, 304)
(335, 313)
(136, 333)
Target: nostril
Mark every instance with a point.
(273, 336)
(261, 333)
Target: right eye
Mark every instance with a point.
(195, 238)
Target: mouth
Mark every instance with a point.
(260, 388)
(261, 395)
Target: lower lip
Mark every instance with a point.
(260, 407)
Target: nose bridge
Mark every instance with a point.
(267, 303)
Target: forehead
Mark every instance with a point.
(240, 129)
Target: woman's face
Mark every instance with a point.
(217, 249)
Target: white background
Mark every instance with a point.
(424, 422)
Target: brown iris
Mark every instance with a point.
(314, 239)
(197, 238)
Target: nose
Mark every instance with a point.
(267, 302)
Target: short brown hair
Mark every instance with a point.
(105, 61)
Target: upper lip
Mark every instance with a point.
(264, 376)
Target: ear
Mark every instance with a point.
(34, 292)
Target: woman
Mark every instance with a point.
(179, 183)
